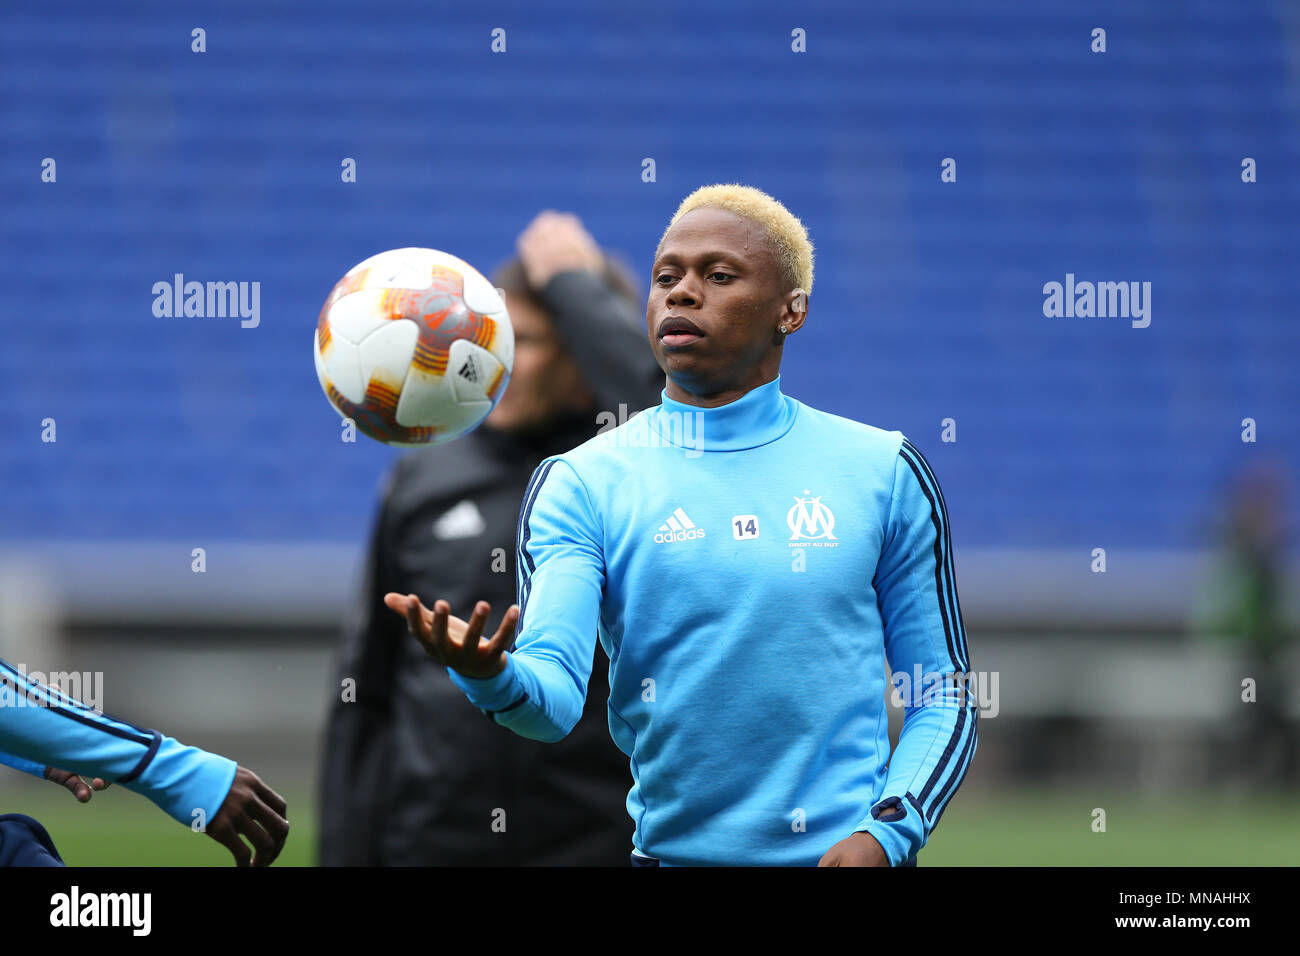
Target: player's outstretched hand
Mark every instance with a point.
(80, 789)
(454, 643)
(253, 810)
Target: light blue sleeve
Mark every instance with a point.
(916, 590)
(44, 726)
(26, 766)
(561, 576)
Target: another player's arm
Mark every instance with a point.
(916, 590)
(538, 690)
(72, 782)
(44, 728)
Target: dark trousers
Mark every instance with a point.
(24, 842)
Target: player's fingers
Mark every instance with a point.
(428, 615)
(427, 622)
(396, 602)
(408, 605)
(268, 796)
(414, 620)
(505, 635)
(80, 789)
(439, 625)
(225, 834)
(274, 825)
(474, 631)
(70, 781)
(263, 844)
(433, 633)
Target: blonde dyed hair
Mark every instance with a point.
(794, 250)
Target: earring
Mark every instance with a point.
(783, 330)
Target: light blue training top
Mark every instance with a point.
(749, 570)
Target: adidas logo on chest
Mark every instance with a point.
(677, 528)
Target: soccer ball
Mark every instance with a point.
(415, 346)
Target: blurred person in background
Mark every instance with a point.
(412, 773)
(1243, 601)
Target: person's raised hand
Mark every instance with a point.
(556, 242)
(453, 642)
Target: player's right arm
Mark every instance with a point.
(44, 727)
(538, 690)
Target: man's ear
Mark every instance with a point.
(799, 301)
(796, 310)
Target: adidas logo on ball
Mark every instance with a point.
(678, 527)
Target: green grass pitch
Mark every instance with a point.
(1022, 828)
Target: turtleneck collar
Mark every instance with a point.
(760, 416)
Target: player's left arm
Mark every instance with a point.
(916, 590)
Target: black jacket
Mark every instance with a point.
(412, 773)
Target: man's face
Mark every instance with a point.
(719, 273)
(545, 381)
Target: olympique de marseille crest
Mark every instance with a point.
(810, 519)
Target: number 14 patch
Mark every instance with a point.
(744, 527)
